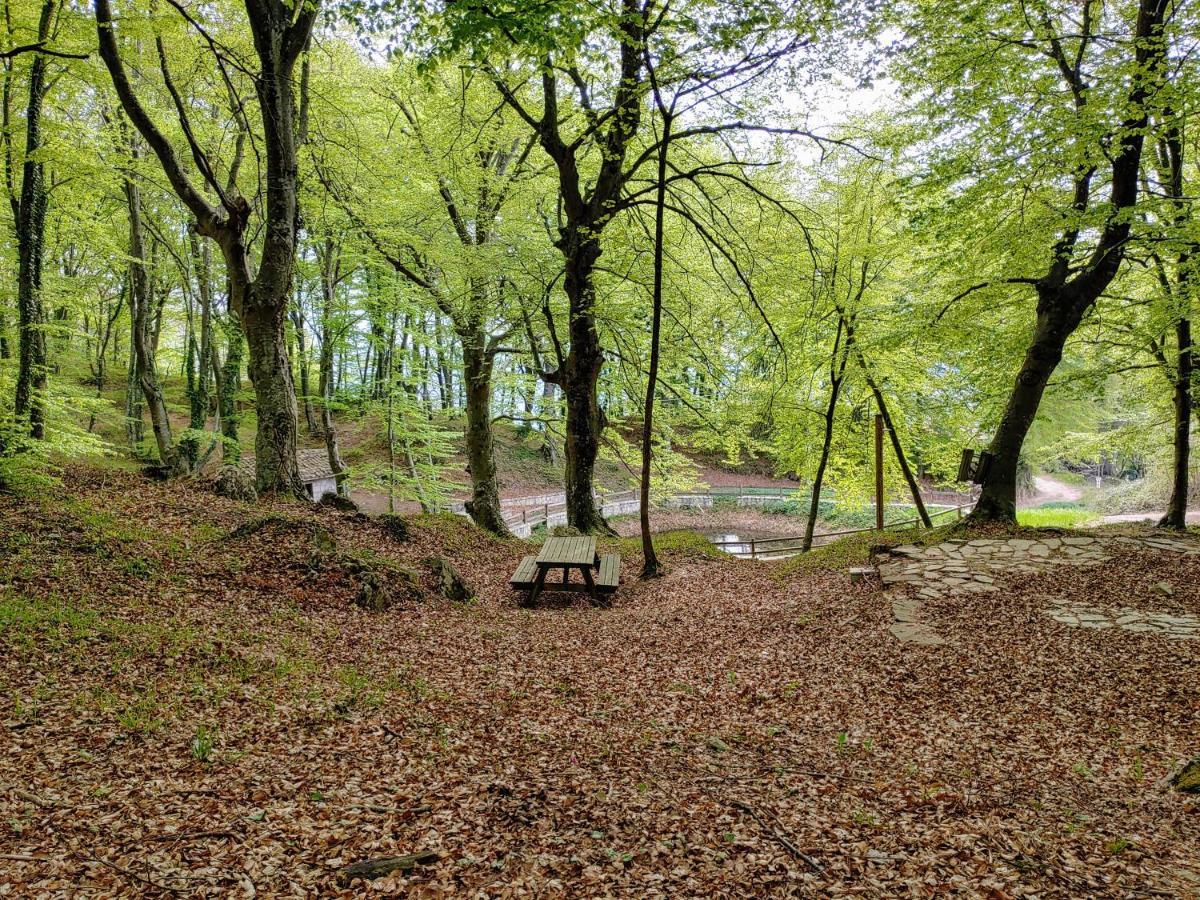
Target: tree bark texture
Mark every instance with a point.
(30, 400)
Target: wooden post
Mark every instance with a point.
(753, 553)
(879, 471)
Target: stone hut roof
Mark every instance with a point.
(313, 464)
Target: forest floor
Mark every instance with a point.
(191, 703)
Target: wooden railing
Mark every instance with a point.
(524, 514)
(790, 545)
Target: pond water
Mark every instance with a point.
(738, 543)
(729, 542)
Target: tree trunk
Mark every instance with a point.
(1171, 177)
(230, 383)
(199, 392)
(275, 399)
(103, 339)
(325, 375)
(134, 429)
(1176, 517)
(484, 505)
(310, 416)
(998, 499)
(142, 336)
(837, 375)
(31, 236)
(913, 487)
(579, 379)
(441, 353)
(650, 564)
(549, 448)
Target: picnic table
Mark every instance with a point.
(567, 554)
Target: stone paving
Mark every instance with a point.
(914, 574)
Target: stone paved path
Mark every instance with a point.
(914, 574)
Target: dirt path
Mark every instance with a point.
(1193, 518)
(1051, 490)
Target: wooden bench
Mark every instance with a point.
(523, 578)
(610, 573)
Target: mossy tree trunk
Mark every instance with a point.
(478, 364)
(260, 299)
(30, 214)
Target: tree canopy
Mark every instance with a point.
(232, 219)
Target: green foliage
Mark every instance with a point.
(202, 744)
(430, 216)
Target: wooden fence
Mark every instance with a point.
(790, 545)
(524, 514)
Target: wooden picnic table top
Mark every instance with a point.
(567, 551)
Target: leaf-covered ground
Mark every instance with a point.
(189, 707)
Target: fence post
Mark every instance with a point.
(547, 515)
(753, 551)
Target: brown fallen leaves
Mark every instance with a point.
(187, 714)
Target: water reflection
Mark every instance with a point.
(730, 542)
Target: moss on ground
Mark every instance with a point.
(679, 544)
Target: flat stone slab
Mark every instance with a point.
(957, 567)
(1081, 615)
(916, 633)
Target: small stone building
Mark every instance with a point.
(315, 472)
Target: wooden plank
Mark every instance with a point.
(610, 572)
(525, 574)
(549, 549)
(568, 551)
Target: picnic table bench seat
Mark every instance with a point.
(610, 573)
(523, 578)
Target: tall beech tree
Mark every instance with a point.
(259, 296)
(590, 89)
(29, 212)
(588, 202)
(1109, 64)
(476, 160)
(1174, 262)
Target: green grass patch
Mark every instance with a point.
(856, 549)
(199, 667)
(28, 622)
(1057, 515)
(454, 532)
(679, 543)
